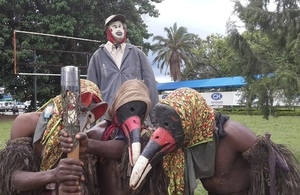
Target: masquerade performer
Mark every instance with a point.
(117, 61)
(198, 142)
(124, 126)
(35, 151)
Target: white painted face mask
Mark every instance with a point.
(117, 30)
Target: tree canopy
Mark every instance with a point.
(266, 53)
(173, 51)
(46, 54)
(269, 48)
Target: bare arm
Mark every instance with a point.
(24, 181)
(24, 125)
(241, 137)
(91, 143)
(67, 170)
(111, 149)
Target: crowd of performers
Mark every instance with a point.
(196, 141)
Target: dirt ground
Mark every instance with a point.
(4, 117)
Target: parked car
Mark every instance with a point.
(21, 106)
(5, 106)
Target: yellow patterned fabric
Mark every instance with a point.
(50, 140)
(198, 122)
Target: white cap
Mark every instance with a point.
(113, 18)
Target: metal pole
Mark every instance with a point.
(15, 53)
(35, 86)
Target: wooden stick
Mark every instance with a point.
(75, 153)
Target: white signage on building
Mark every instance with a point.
(234, 98)
(219, 99)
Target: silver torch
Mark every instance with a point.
(70, 94)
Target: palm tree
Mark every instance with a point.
(172, 51)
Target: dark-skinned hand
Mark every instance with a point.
(67, 188)
(68, 174)
(69, 169)
(66, 141)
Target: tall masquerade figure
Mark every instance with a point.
(118, 61)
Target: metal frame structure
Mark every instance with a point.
(35, 74)
(34, 49)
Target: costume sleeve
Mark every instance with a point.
(149, 80)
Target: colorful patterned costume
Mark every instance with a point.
(50, 139)
(24, 154)
(198, 122)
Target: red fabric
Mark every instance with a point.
(112, 39)
(108, 131)
(111, 127)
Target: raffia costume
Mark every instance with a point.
(19, 153)
(274, 169)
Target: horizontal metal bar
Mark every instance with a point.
(42, 74)
(52, 35)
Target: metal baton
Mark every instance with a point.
(70, 93)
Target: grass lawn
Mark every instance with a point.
(5, 125)
(284, 130)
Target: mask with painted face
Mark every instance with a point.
(116, 33)
(117, 30)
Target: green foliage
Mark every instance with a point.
(173, 51)
(268, 47)
(266, 54)
(211, 57)
(71, 18)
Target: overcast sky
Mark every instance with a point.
(201, 17)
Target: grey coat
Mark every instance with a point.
(104, 72)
